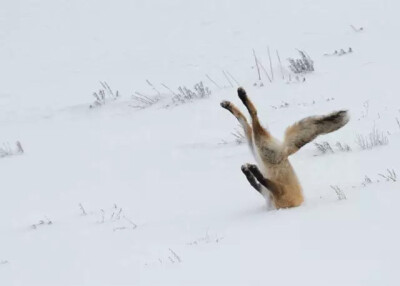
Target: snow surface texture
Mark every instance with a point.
(116, 195)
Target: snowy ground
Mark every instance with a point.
(118, 196)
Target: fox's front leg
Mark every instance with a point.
(250, 177)
(273, 187)
(246, 169)
(242, 120)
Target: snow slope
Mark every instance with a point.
(164, 200)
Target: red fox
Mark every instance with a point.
(277, 179)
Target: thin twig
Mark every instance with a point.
(107, 87)
(227, 78)
(266, 73)
(175, 255)
(213, 81)
(151, 85)
(82, 209)
(19, 146)
(270, 64)
(339, 192)
(232, 77)
(258, 68)
(134, 225)
(168, 89)
(357, 29)
(280, 63)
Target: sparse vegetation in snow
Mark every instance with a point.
(325, 147)
(238, 137)
(373, 139)
(104, 95)
(389, 176)
(181, 96)
(41, 223)
(141, 101)
(357, 29)
(302, 65)
(340, 52)
(116, 217)
(343, 147)
(8, 150)
(185, 95)
(339, 193)
(206, 239)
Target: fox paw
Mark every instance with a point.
(242, 94)
(253, 168)
(248, 167)
(226, 104)
(245, 168)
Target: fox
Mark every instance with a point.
(274, 177)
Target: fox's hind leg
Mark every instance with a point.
(259, 131)
(242, 120)
(267, 147)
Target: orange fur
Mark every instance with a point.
(277, 176)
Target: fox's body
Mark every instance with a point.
(274, 166)
(276, 177)
(289, 192)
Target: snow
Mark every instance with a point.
(164, 198)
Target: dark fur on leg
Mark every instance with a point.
(242, 95)
(253, 182)
(258, 130)
(270, 185)
(227, 105)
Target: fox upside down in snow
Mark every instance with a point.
(277, 178)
